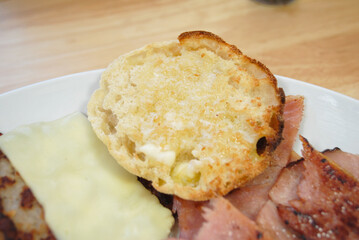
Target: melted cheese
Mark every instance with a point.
(155, 153)
(187, 172)
(84, 192)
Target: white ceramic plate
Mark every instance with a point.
(330, 119)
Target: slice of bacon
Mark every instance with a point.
(250, 199)
(328, 204)
(292, 115)
(224, 221)
(270, 222)
(189, 216)
(348, 161)
(285, 188)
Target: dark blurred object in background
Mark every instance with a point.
(273, 2)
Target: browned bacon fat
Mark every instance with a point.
(270, 223)
(285, 188)
(328, 204)
(348, 161)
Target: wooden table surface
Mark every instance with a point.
(316, 41)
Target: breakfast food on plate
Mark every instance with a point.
(200, 121)
(21, 215)
(194, 116)
(315, 197)
(85, 194)
(250, 198)
(327, 200)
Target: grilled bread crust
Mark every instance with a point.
(195, 116)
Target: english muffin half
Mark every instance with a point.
(194, 116)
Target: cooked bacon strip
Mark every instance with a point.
(250, 199)
(270, 222)
(285, 188)
(292, 115)
(224, 221)
(349, 162)
(189, 215)
(328, 204)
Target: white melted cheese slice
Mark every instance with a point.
(84, 192)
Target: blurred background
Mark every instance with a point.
(316, 41)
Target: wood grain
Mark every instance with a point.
(316, 41)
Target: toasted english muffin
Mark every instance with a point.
(194, 116)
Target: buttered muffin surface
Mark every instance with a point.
(195, 116)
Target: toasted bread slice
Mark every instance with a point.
(194, 116)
